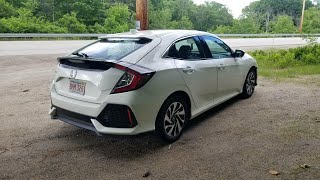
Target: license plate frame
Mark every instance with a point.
(77, 87)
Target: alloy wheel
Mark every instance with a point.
(250, 83)
(174, 119)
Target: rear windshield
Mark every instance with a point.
(114, 49)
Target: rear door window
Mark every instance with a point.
(187, 49)
(113, 49)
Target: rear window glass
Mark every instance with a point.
(113, 49)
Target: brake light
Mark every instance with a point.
(134, 78)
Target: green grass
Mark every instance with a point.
(289, 63)
(290, 72)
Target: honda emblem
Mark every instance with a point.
(73, 73)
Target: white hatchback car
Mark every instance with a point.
(130, 83)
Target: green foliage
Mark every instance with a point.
(210, 16)
(90, 12)
(160, 19)
(117, 20)
(184, 14)
(111, 16)
(241, 26)
(291, 8)
(183, 23)
(71, 22)
(312, 21)
(6, 9)
(97, 28)
(283, 24)
(289, 63)
(27, 23)
(280, 59)
(266, 11)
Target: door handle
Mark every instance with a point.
(188, 70)
(221, 67)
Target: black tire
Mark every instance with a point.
(249, 84)
(171, 132)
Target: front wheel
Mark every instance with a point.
(172, 118)
(249, 84)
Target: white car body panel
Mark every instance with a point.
(207, 86)
(199, 70)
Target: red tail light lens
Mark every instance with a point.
(132, 79)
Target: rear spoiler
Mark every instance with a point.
(101, 64)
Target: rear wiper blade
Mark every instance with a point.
(80, 54)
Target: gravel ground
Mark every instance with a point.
(277, 129)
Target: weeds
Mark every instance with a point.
(289, 63)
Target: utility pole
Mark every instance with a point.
(142, 14)
(302, 16)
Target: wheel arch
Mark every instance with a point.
(183, 95)
(252, 68)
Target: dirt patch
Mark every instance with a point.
(275, 130)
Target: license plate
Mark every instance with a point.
(77, 87)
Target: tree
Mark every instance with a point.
(160, 19)
(211, 15)
(181, 8)
(26, 22)
(6, 9)
(283, 24)
(118, 19)
(240, 26)
(90, 12)
(183, 23)
(112, 16)
(268, 10)
(312, 21)
(222, 30)
(71, 22)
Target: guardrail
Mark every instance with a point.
(42, 35)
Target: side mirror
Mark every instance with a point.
(239, 53)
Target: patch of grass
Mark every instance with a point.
(290, 72)
(289, 63)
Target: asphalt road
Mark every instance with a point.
(64, 47)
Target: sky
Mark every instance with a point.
(235, 6)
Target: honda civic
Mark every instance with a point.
(140, 81)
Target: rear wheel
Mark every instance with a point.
(249, 84)
(172, 118)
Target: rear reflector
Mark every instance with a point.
(117, 116)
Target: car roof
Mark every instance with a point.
(152, 34)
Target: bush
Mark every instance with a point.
(280, 59)
(71, 22)
(27, 23)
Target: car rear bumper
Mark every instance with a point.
(87, 115)
(90, 123)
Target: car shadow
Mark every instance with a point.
(111, 146)
(130, 147)
(210, 113)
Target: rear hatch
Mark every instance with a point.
(89, 74)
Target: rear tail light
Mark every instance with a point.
(134, 77)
